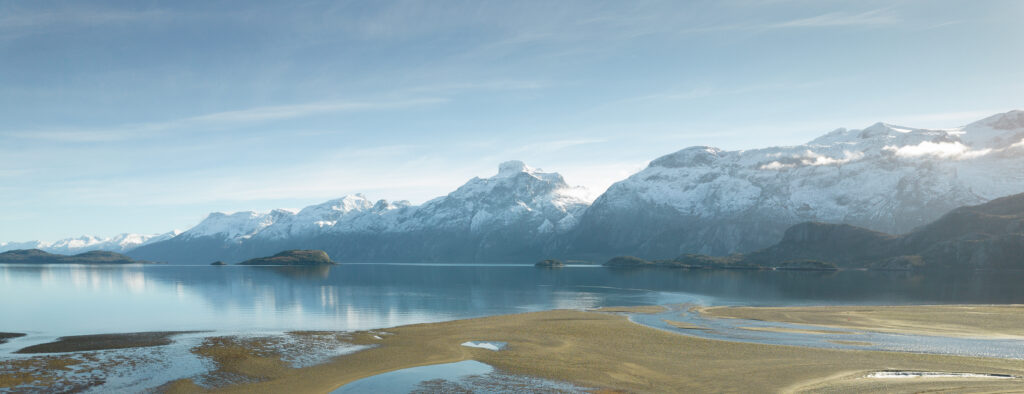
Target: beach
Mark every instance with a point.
(601, 350)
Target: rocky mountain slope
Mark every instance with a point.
(884, 178)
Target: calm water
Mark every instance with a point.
(62, 300)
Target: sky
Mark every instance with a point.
(144, 116)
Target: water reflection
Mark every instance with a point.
(97, 299)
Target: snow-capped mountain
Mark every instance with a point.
(514, 213)
(119, 243)
(697, 200)
(885, 177)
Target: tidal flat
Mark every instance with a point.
(591, 349)
(607, 351)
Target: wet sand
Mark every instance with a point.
(965, 321)
(797, 331)
(607, 351)
(644, 309)
(80, 343)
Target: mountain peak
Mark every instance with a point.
(693, 156)
(512, 167)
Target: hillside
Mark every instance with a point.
(986, 236)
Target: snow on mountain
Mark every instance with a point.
(119, 243)
(884, 177)
(518, 210)
(516, 193)
(701, 199)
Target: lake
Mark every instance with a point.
(48, 301)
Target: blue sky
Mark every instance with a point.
(143, 116)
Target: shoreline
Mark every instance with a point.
(599, 349)
(607, 351)
(957, 321)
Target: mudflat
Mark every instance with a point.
(78, 343)
(606, 351)
(967, 321)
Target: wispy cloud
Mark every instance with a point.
(16, 23)
(301, 110)
(709, 91)
(878, 17)
(225, 119)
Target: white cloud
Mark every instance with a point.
(947, 150)
(811, 158)
(775, 165)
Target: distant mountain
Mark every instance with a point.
(36, 256)
(986, 236)
(119, 243)
(884, 178)
(514, 214)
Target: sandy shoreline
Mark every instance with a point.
(593, 349)
(963, 321)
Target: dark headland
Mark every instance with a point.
(549, 263)
(293, 258)
(36, 256)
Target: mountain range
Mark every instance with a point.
(883, 178)
(119, 243)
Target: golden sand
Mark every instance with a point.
(606, 351)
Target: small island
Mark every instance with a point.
(218, 262)
(36, 256)
(303, 258)
(549, 263)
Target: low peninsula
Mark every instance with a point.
(36, 256)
